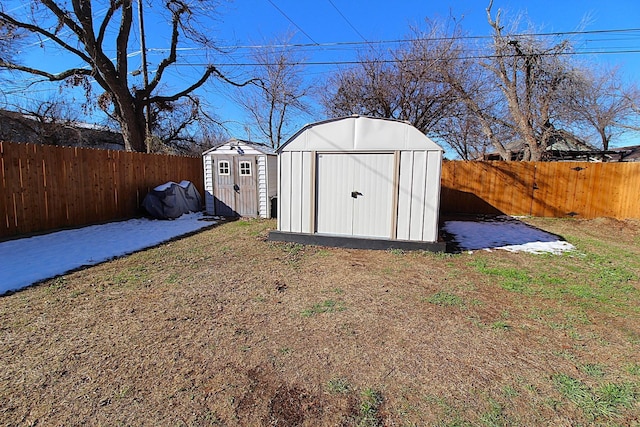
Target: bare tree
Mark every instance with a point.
(182, 127)
(364, 89)
(53, 122)
(533, 78)
(479, 118)
(73, 27)
(404, 84)
(600, 101)
(10, 38)
(278, 93)
(463, 133)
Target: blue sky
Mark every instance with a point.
(320, 23)
(328, 21)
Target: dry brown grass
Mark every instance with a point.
(226, 328)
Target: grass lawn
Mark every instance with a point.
(225, 328)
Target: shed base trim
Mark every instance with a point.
(355, 242)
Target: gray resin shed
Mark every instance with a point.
(359, 182)
(240, 179)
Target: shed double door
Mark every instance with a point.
(355, 194)
(235, 186)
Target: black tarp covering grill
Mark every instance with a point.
(171, 200)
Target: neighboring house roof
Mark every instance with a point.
(24, 128)
(563, 145)
(562, 140)
(235, 142)
(626, 154)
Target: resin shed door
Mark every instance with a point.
(235, 186)
(355, 194)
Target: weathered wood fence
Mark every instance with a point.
(45, 187)
(547, 189)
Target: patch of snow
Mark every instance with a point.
(556, 247)
(504, 233)
(30, 260)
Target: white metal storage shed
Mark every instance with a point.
(240, 179)
(359, 182)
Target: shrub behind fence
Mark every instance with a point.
(46, 187)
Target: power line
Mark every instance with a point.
(393, 41)
(390, 61)
(291, 20)
(347, 21)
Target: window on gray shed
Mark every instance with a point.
(223, 167)
(245, 168)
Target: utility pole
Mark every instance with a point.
(145, 76)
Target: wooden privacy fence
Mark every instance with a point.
(547, 189)
(46, 187)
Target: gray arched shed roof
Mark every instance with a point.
(359, 133)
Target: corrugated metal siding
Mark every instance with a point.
(296, 192)
(418, 188)
(432, 197)
(405, 197)
(418, 195)
(294, 198)
(360, 134)
(284, 195)
(306, 215)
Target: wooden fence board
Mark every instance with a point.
(630, 193)
(17, 187)
(60, 188)
(615, 191)
(29, 190)
(4, 220)
(7, 185)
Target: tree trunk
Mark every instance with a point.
(535, 151)
(130, 115)
(605, 139)
(134, 135)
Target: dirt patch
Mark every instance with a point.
(226, 328)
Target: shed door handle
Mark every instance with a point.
(355, 194)
(236, 188)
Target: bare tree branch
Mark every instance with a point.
(276, 94)
(35, 29)
(52, 77)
